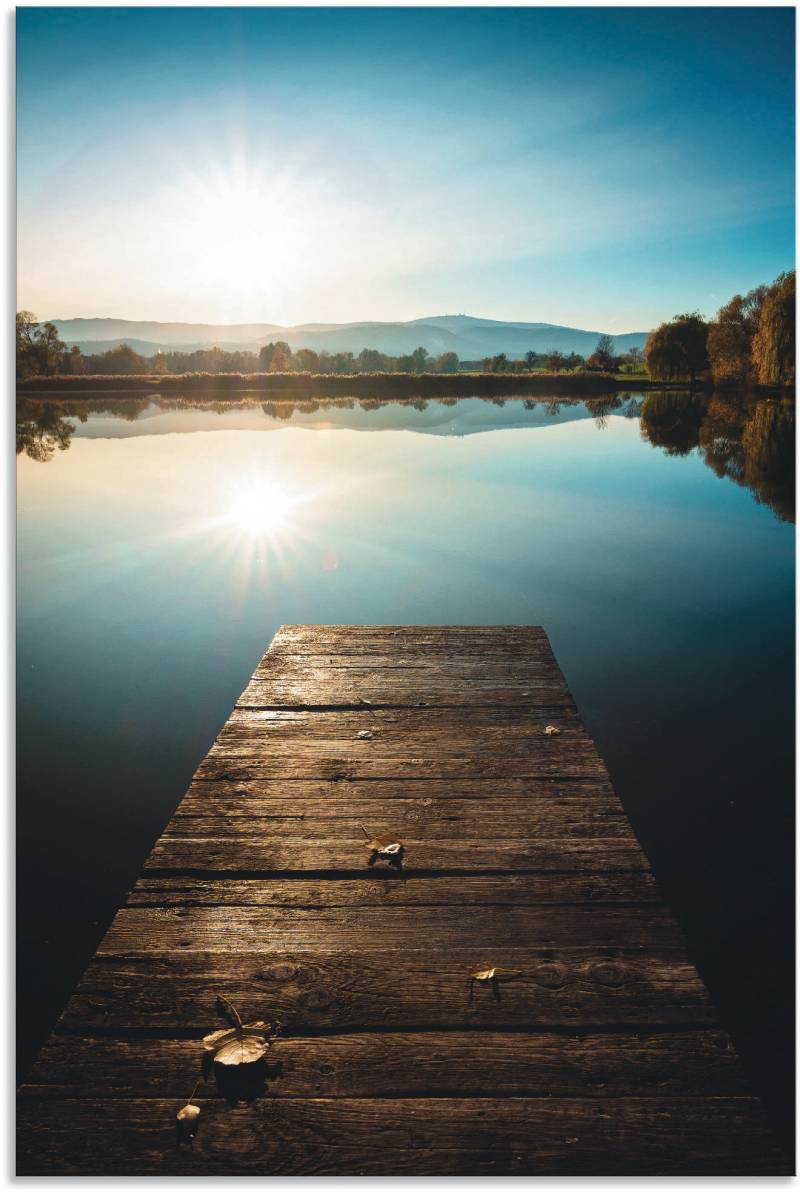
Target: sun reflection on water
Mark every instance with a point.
(261, 508)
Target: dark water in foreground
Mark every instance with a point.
(160, 548)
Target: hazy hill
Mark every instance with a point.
(469, 337)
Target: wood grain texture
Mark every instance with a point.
(312, 992)
(594, 1051)
(393, 1064)
(402, 1136)
(145, 930)
(426, 819)
(267, 856)
(384, 888)
(234, 797)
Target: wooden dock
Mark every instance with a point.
(594, 1048)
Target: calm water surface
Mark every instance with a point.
(160, 548)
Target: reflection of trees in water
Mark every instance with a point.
(756, 449)
(749, 440)
(673, 420)
(44, 427)
(280, 410)
(42, 431)
(601, 407)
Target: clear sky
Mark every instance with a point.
(603, 168)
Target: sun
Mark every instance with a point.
(260, 509)
(254, 229)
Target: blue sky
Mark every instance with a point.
(603, 168)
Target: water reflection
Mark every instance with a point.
(749, 440)
(261, 508)
(41, 430)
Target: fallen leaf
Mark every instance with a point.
(239, 1043)
(242, 1049)
(483, 974)
(552, 731)
(384, 846)
(365, 734)
(188, 1116)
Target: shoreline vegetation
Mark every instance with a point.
(362, 384)
(310, 386)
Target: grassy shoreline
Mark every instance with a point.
(312, 385)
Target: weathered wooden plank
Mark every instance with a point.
(490, 638)
(564, 987)
(326, 686)
(504, 654)
(334, 760)
(393, 1064)
(391, 725)
(528, 634)
(143, 930)
(412, 800)
(413, 1136)
(382, 887)
(396, 724)
(247, 855)
(382, 651)
(427, 818)
(236, 796)
(405, 663)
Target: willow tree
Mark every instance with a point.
(730, 338)
(773, 342)
(677, 351)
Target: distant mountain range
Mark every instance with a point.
(469, 338)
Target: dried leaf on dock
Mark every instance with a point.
(238, 1043)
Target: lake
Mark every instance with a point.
(161, 545)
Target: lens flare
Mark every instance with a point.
(260, 509)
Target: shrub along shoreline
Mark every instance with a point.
(312, 385)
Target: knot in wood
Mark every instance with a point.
(610, 973)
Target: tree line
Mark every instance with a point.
(750, 342)
(602, 359)
(40, 352)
